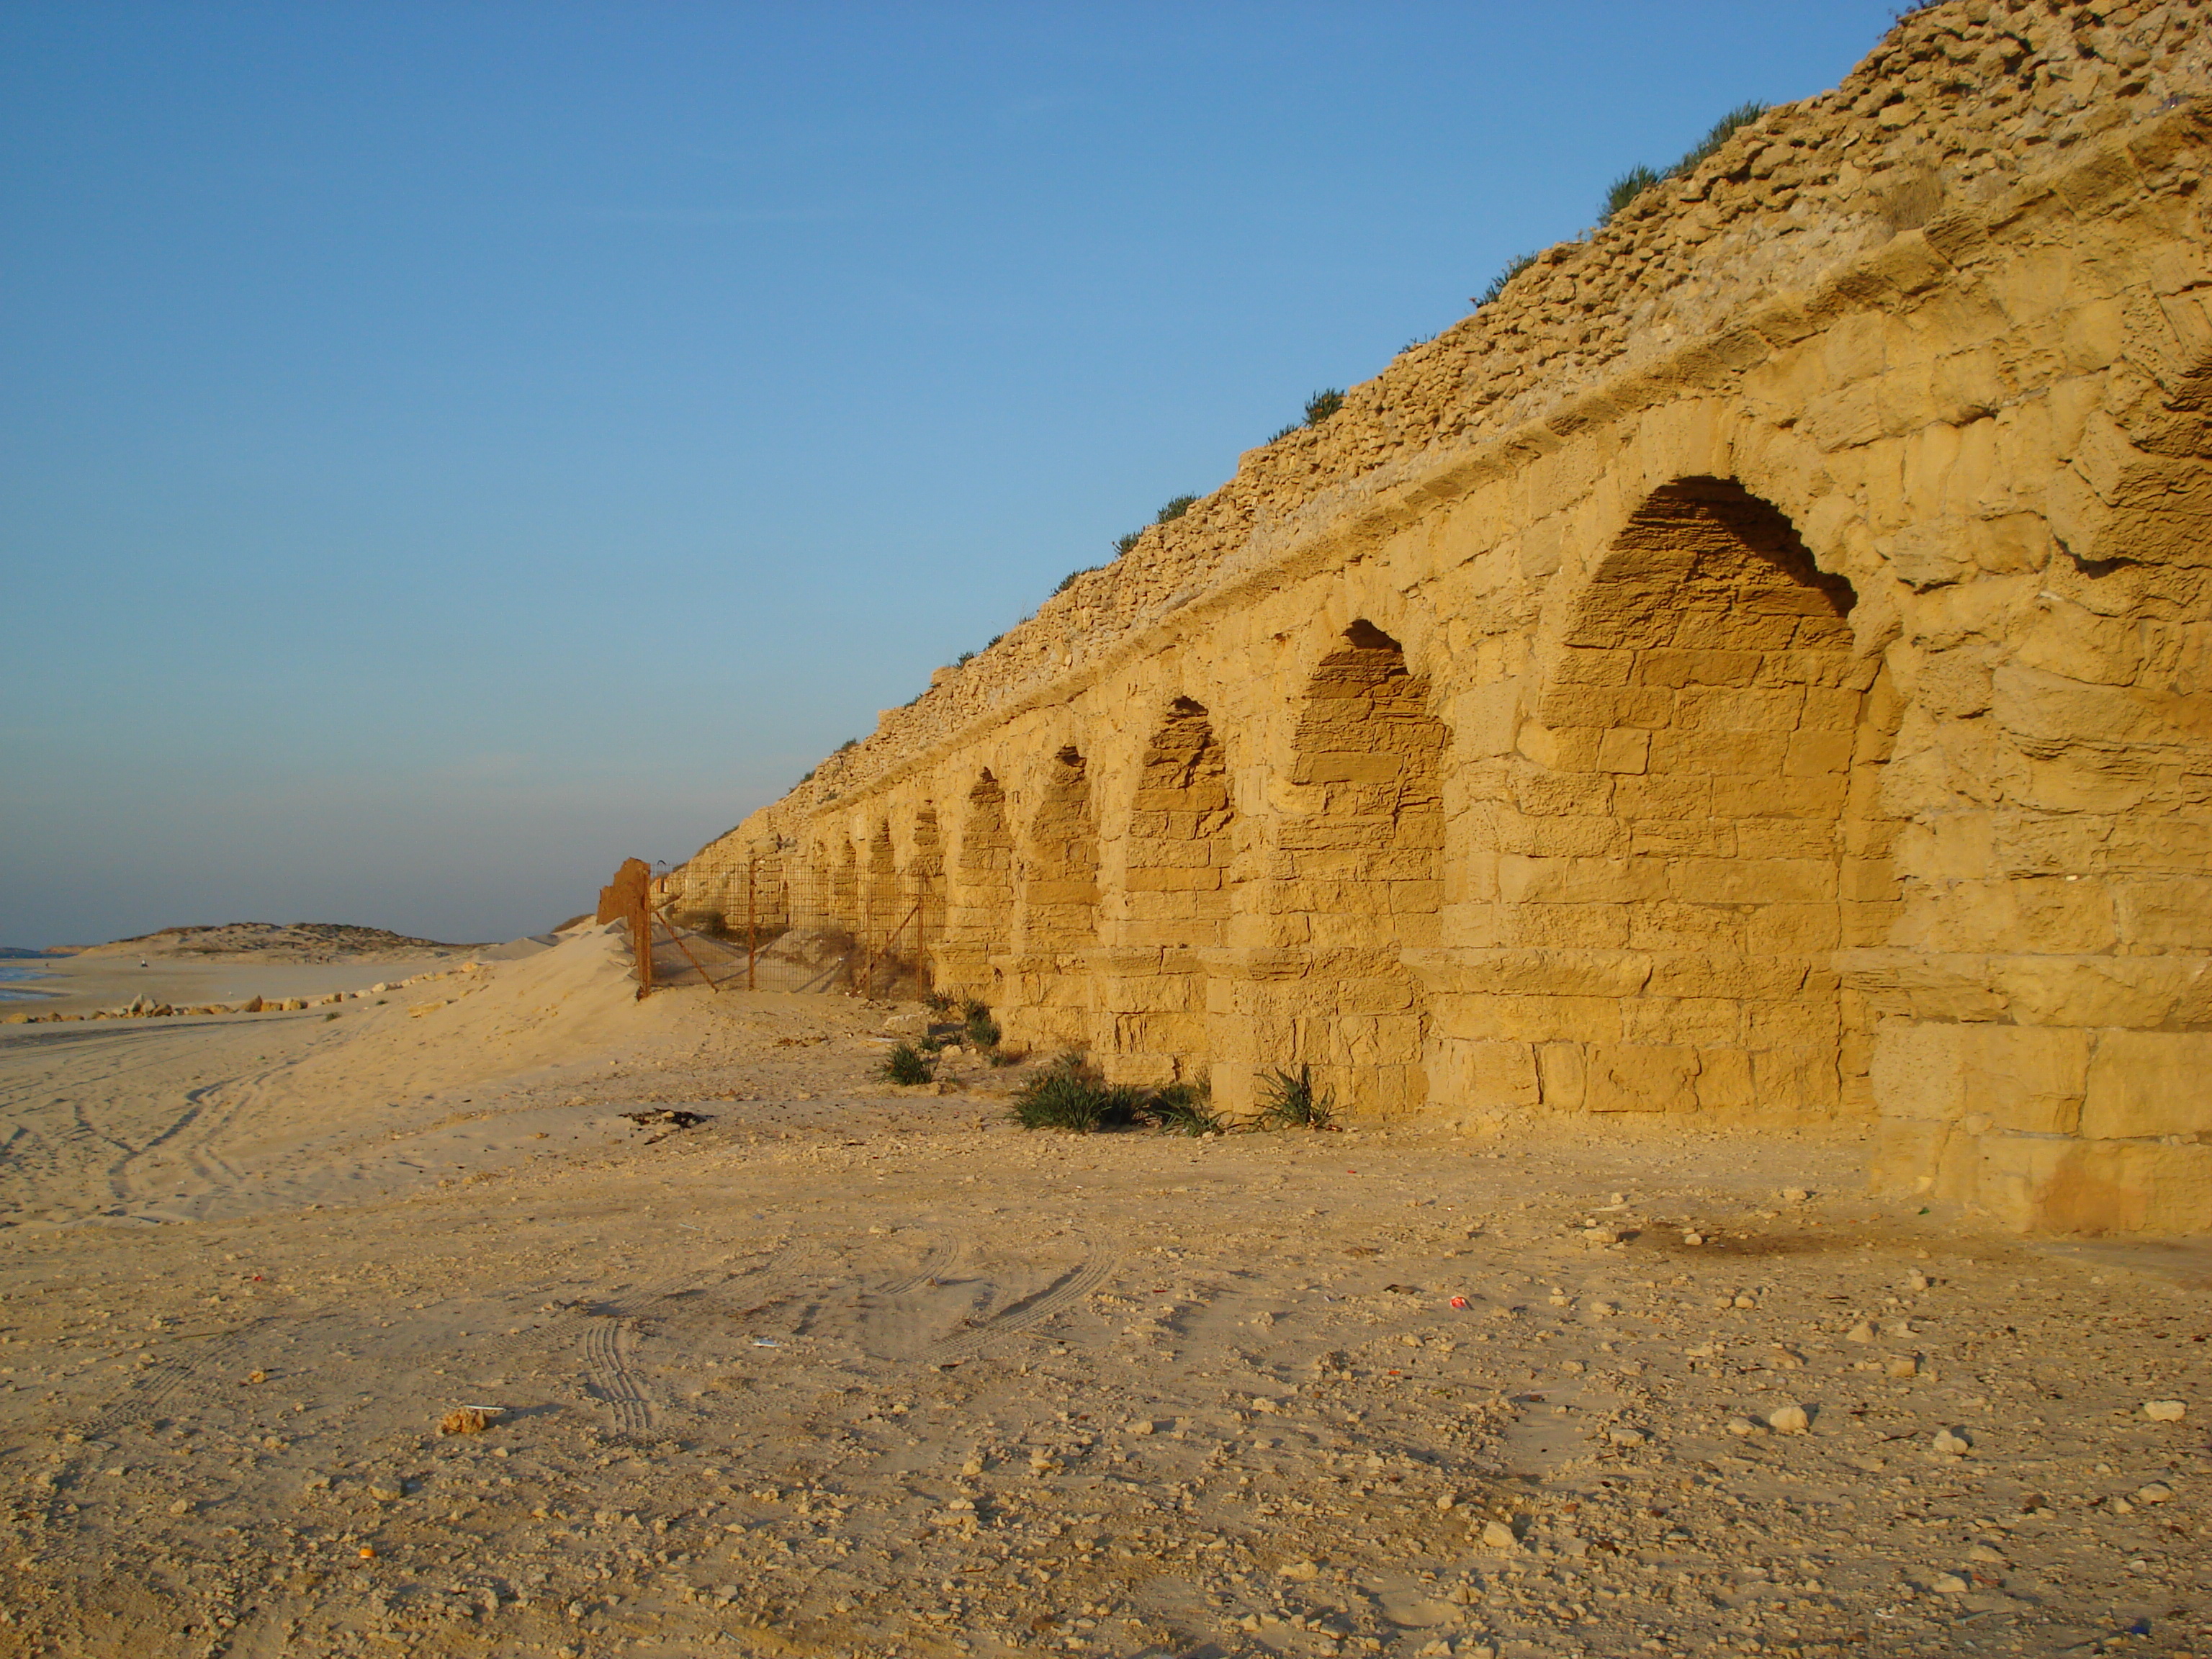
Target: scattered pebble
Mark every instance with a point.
(2165, 1411)
(1789, 1419)
(1952, 1443)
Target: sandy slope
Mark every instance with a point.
(850, 1371)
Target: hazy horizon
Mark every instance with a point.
(447, 450)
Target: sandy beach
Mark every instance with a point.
(848, 1369)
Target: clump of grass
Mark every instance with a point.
(907, 1065)
(849, 742)
(1175, 507)
(1323, 404)
(1288, 1101)
(1514, 267)
(1004, 1057)
(1184, 1109)
(1075, 576)
(1625, 190)
(1723, 129)
(1284, 433)
(982, 1029)
(1069, 1094)
(1638, 179)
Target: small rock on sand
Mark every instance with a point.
(1789, 1419)
(1497, 1535)
(2165, 1411)
(1952, 1443)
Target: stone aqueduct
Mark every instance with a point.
(1811, 718)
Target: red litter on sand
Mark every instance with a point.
(1458, 1302)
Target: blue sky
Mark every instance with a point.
(447, 448)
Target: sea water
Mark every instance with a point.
(18, 970)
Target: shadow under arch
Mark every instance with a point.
(979, 916)
(1353, 876)
(1174, 902)
(1689, 836)
(1046, 993)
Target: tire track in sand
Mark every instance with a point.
(1097, 1266)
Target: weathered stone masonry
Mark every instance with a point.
(1760, 666)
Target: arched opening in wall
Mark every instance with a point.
(882, 906)
(1358, 876)
(1057, 909)
(980, 908)
(925, 894)
(1175, 900)
(1699, 741)
(883, 933)
(845, 889)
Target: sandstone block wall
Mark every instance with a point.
(1760, 666)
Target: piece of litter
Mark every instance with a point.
(764, 1342)
(469, 1419)
(1458, 1302)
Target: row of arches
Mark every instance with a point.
(1635, 905)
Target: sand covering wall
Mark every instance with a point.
(1759, 666)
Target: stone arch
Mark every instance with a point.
(845, 887)
(883, 902)
(1056, 909)
(1691, 834)
(1175, 901)
(978, 916)
(923, 888)
(1353, 878)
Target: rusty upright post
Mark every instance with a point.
(752, 866)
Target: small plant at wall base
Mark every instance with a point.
(906, 1064)
(1184, 1109)
(1292, 1103)
(982, 1029)
(1070, 1095)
